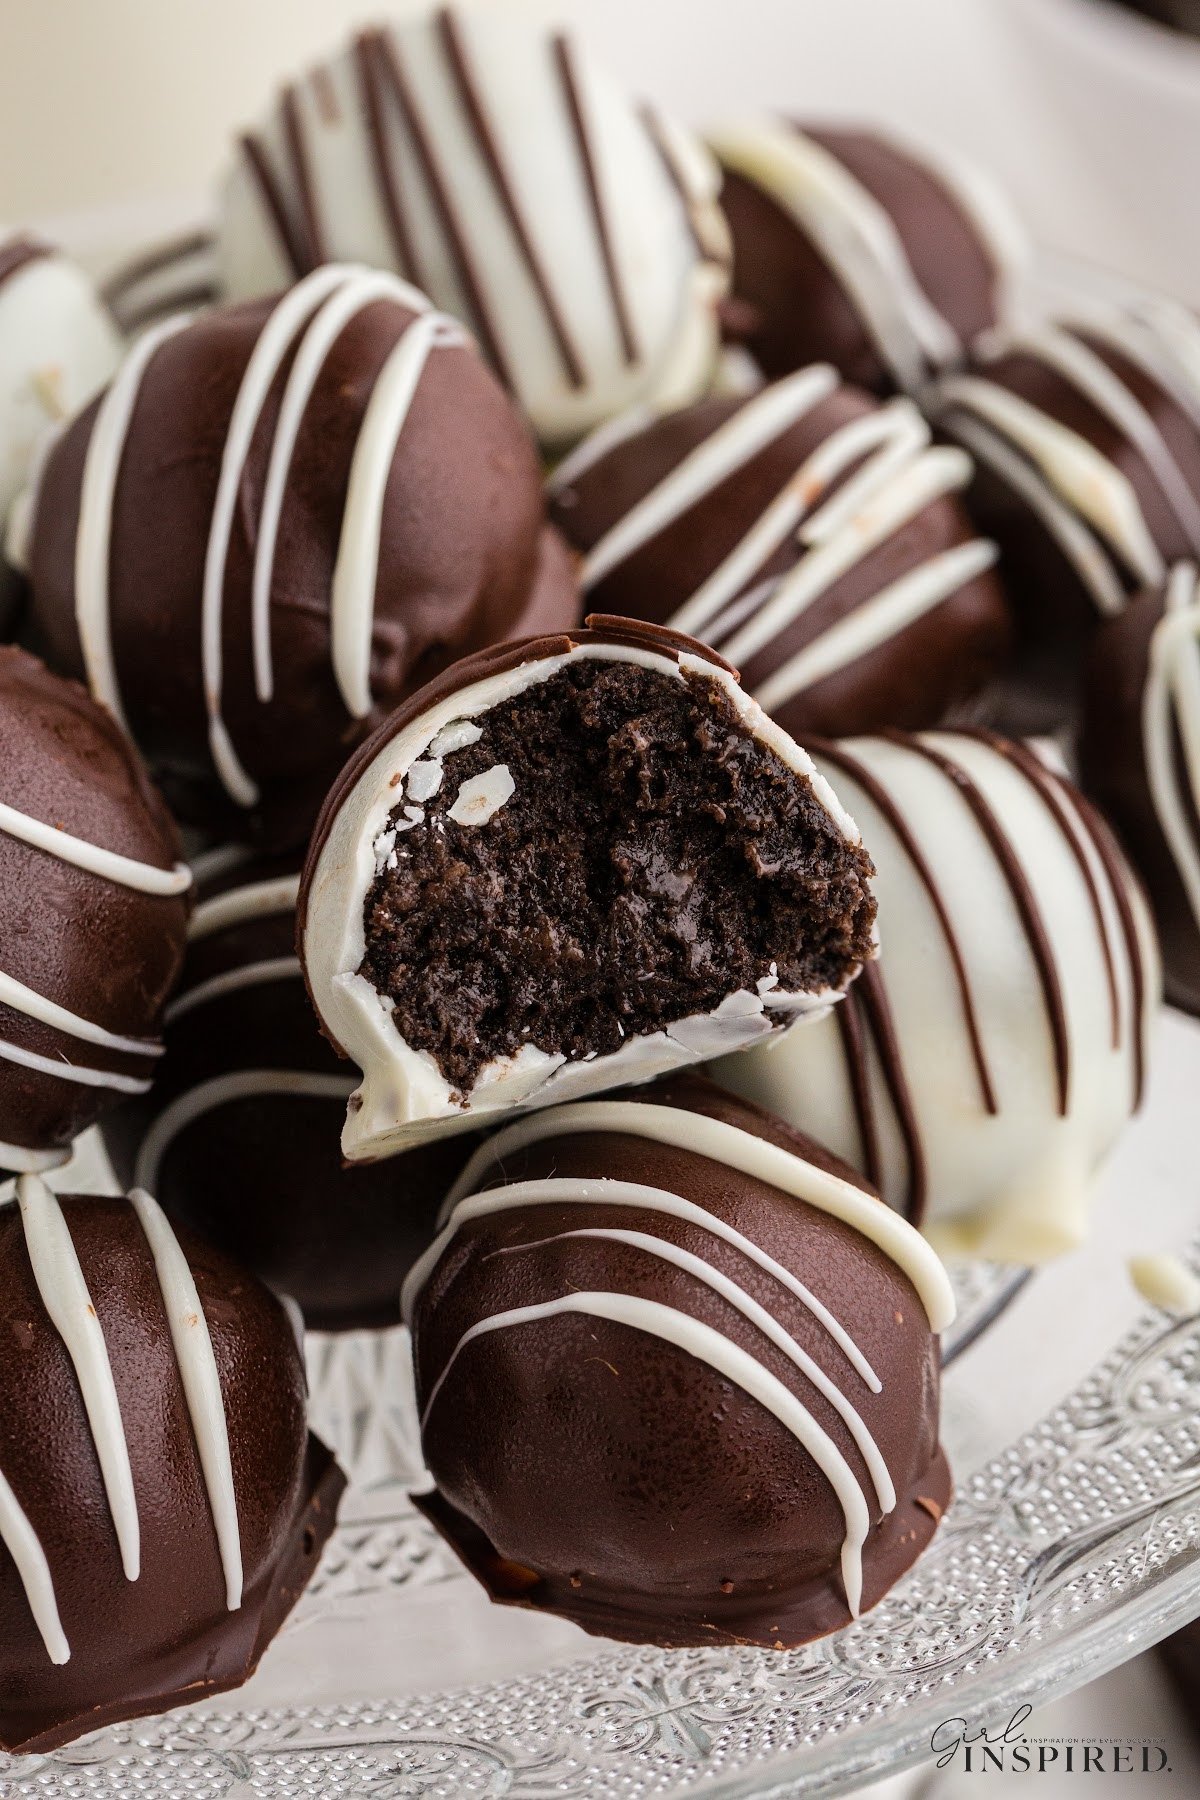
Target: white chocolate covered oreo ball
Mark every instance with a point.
(981, 1069)
(58, 347)
(500, 169)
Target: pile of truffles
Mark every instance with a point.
(586, 591)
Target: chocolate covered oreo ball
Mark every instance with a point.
(238, 1138)
(978, 1072)
(179, 274)
(567, 865)
(1087, 444)
(93, 915)
(677, 1374)
(1139, 757)
(863, 248)
(57, 348)
(502, 170)
(812, 536)
(278, 520)
(161, 1503)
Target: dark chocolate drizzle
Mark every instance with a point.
(878, 794)
(367, 55)
(297, 148)
(564, 59)
(140, 268)
(654, 132)
(854, 1052)
(1044, 784)
(272, 198)
(325, 93)
(1121, 876)
(17, 252)
(1023, 899)
(450, 31)
(392, 65)
(872, 993)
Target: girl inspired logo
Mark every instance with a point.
(1010, 1751)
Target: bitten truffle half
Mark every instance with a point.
(812, 536)
(571, 864)
(162, 1505)
(502, 169)
(94, 905)
(238, 1137)
(1139, 757)
(279, 519)
(678, 1374)
(982, 1068)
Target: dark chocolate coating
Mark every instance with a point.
(105, 952)
(459, 554)
(261, 1175)
(1056, 614)
(798, 312)
(168, 1638)
(588, 1468)
(912, 679)
(1112, 769)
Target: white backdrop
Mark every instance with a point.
(1091, 117)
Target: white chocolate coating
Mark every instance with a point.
(1171, 725)
(57, 349)
(860, 242)
(69, 1308)
(507, 175)
(1017, 1014)
(404, 1095)
(1165, 1281)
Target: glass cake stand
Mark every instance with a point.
(1073, 1424)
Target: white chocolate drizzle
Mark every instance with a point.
(230, 981)
(221, 1090)
(1170, 706)
(735, 1364)
(201, 1384)
(97, 503)
(63, 1290)
(858, 240)
(729, 1145)
(25, 1547)
(736, 1149)
(770, 1327)
(125, 871)
(862, 484)
(70, 1309)
(307, 320)
(1086, 502)
(254, 900)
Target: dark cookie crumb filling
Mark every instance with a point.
(653, 857)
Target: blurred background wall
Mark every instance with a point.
(1090, 115)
